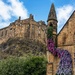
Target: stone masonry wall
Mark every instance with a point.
(66, 38)
(27, 28)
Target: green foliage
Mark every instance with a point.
(50, 32)
(56, 74)
(35, 66)
(23, 66)
(62, 74)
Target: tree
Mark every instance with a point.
(22, 66)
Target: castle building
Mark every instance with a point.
(29, 28)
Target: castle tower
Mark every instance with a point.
(52, 21)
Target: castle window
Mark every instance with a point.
(6, 32)
(2, 34)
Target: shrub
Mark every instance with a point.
(22, 66)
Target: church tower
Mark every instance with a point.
(52, 21)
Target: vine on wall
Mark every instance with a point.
(65, 64)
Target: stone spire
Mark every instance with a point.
(52, 13)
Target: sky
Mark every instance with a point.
(10, 10)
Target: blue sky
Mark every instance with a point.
(12, 9)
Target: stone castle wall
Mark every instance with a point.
(27, 28)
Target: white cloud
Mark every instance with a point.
(15, 8)
(63, 13)
(4, 13)
(18, 9)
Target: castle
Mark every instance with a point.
(29, 28)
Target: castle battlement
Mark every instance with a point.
(27, 28)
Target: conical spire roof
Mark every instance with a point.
(52, 13)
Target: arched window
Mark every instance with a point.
(51, 24)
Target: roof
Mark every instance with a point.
(66, 22)
(52, 13)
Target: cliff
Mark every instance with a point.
(21, 47)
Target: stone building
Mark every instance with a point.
(65, 39)
(27, 28)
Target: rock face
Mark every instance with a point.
(20, 47)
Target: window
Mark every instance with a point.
(51, 24)
(2, 33)
(6, 32)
